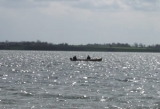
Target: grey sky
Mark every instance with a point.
(80, 21)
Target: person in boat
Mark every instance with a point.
(74, 58)
(88, 57)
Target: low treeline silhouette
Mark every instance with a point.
(116, 47)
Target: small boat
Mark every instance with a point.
(96, 59)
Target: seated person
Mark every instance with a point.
(74, 58)
(88, 57)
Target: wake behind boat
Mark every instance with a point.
(96, 59)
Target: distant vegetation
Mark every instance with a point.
(115, 47)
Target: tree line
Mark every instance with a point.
(38, 45)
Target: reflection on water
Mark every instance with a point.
(47, 80)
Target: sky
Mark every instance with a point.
(81, 21)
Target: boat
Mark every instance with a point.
(96, 59)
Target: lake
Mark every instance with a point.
(49, 80)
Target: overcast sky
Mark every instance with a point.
(81, 21)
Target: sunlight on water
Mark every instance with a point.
(47, 80)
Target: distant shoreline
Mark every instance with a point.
(113, 50)
(44, 46)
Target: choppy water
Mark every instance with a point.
(49, 80)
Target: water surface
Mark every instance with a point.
(48, 80)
